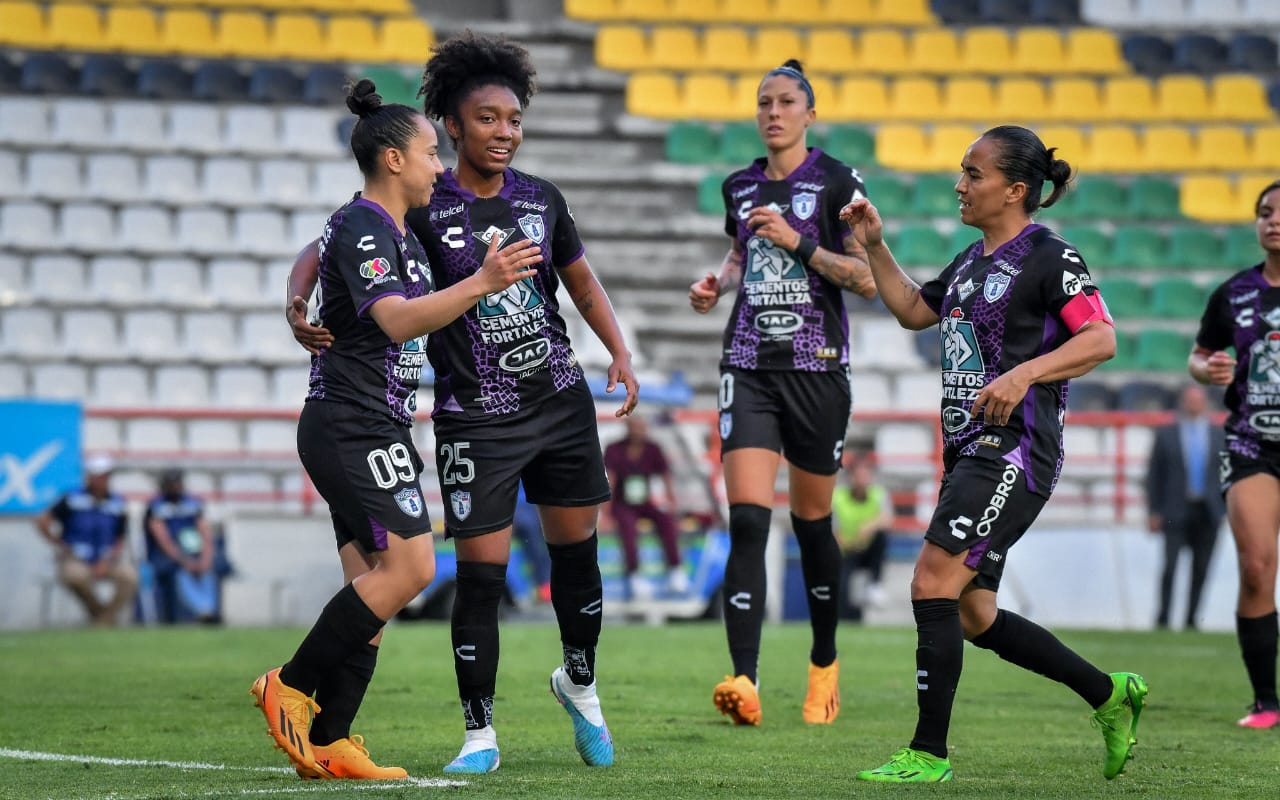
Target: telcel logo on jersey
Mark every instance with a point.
(778, 323)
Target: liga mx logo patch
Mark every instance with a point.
(461, 503)
(533, 227)
(410, 501)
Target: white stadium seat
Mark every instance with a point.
(24, 120)
(289, 384)
(138, 125)
(57, 277)
(53, 174)
(252, 129)
(333, 182)
(195, 128)
(310, 131)
(11, 175)
(870, 391)
(177, 281)
(305, 227)
(118, 280)
(237, 283)
(88, 227)
(240, 387)
(145, 229)
(261, 232)
(209, 336)
(181, 386)
(272, 436)
(13, 379)
(59, 381)
(284, 182)
(227, 181)
(26, 224)
(152, 435)
(78, 121)
(14, 280)
(151, 335)
(203, 230)
(171, 179)
(214, 436)
(90, 334)
(266, 339)
(121, 386)
(100, 434)
(112, 176)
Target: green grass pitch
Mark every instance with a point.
(165, 713)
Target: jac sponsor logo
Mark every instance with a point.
(526, 356)
(777, 323)
(954, 418)
(1266, 422)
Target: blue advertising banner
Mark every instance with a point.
(39, 453)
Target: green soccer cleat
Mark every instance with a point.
(910, 766)
(1118, 719)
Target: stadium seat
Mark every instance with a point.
(957, 12)
(120, 386)
(1128, 98)
(1069, 142)
(691, 143)
(1021, 99)
(350, 38)
(240, 387)
(311, 132)
(251, 130)
(10, 76)
(153, 434)
(53, 174)
(863, 99)
(1112, 148)
(1240, 247)
(1038, 50)
(1147, 395)
(1260, 11)
(296, 35)
(393, 84)
(28, 332)
(1125, 298)
(170, 179)
(1239, 97)
(883, 50)
(149, 334)
(11, 175)
(1093, 51)
(219, 81)
(967, 99)
(332, 182)
(1074, 100)
(710, 200)
(626, 47)
(1198, 53)
(684, 10)
(915, 13)
(1091, 243)
(851, 144)
(724, 47)
(325, 85)
(985, 50)
(892, 197)
(961, 239)
(1166, 148)
(1087, 395)
(1194, 247)
(1174, 298)
(1182, 97)
(1098, 197)
(1252, 52)
(1213, 198)
(90, 334)
(48, 73)
(25, 224)
(902, 147)
(1222, 147)
(796, 11)
(1008, 12)
(209, 336)
(1055, 12)
(163, 79)
(920, 246)
(740, 144)
(912, 98)
(75, 26)
(57, 278)
(145, 229)
(188, 32)
(276, 83)
(947, 146)
(107, 76)
(654, 94)
(176, 281)
(770, 47)
(870, 391)
(112, 176)
(61, 382)
(203, 231)
(23, 25)
(213, 436)
(1216, 12)
(271, 436)
(1159, 349)
(118, 280)
(138, 125)
(934, 196)
(262, 232)
(710, 96)
(830, 50)
(86, 227)
(244, 34)
(1152, 199)
(132, 29)
(185, 386)
(406, 40)
(932, 50)
(1137, 247)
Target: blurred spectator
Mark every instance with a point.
(183, 554)
(1183, 500)
(633, 463)
(527, 527)
(90, 541)
(862, 513)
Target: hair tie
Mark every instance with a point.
(790, 72)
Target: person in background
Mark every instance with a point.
(88, 528)
(862, 512)
(181, 551)
(1183, 500)
(634, 463)
(527, 527)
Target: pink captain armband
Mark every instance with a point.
(1083, 308)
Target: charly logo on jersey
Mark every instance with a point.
(377, 271)
(533, 227)
(460, 502)
(963, 373)
(410, 501)
(804, 204)
(486, 236)
(514, 318)
(994, 286)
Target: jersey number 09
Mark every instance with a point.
(391, 466)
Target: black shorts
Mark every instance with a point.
(553, 447)
(366, 468)
(1243, 457)
(984, 507)
(803, 415)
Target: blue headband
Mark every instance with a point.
(798, 75)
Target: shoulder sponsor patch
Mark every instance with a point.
(1071, 284)
(377, 271)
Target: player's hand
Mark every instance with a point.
(312, 339)
(704, 294)
(864, 222)
(515, 262)
(620, 372)
(1221, 368)
(769, 224)
(998, 399)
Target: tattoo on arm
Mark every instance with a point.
(850, 272)
(585, 301)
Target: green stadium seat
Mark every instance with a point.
(740, 144)
(1124, 357)
(920, 246)
(1194, 247)
(692, 143)
(1240, 247)
(960, 239)
(1159, 349)
(891, 197)
(1153, 198)
(853, 145)
(935, 196)
(1091, 243)
(394, 85)
(1177, 298)
(710, 200)
(1125, 298)
(1137, 247)
(1095, 197)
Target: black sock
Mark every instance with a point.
(474, 627)
(939, 659)
(1024, 643)
(344, 625)
(744, 585)
(1257, 637)
(577, 597)
(820, 563)
(340, 694)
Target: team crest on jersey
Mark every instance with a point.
(410, 501)
(726, 424)
(804, 204)
(486, 236)
(377, 271)
(533, 227)
(460, 501)
(993, 288)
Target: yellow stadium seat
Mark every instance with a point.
(903, 147)
(654, 94)
(675, 47)
(753, 11)
(985, 50)
(1239, 97)
(75, 27)
(1182, 97)
(725, 47)
(1128, 98)
(825, 96)
(1112, 148)
(1021, 99)
(772, 46)
(934, 50)
(591, 10)
(947, 146)
(405, 39)
(187, 31)
(830, 50)
(1247, 186)
(244, 33)
(711, 96)
(1075, 100)
(903, 12)
(643, 10)
(1223, 147)
(1264, 147)
(1038, 50)
(1068, 139)
(858, 12)
(351, 37)
(1166, 148)
(622, 47)
(1093, 51)
(883, 50)
(694, 10)
(22, 25)
(132, 29)
(803, 11)
(915, 99)
(863, 99)
(298, 35)
(1214, 199)
(967, 99)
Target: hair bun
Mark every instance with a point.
(363, 98)
(792, 63)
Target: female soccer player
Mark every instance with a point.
(353, 434)
(784, 378)
(1239, 315)
(1019, 316)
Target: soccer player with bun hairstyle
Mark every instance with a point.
(784, 378)
(377, 299)
(1239, 316)
(1019, 316)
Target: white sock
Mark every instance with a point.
(483, 739)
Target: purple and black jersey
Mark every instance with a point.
(1244, 313)
(785, 315)
(363, 258)
(510, 351)
(1024, 300)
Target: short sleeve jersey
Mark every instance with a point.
(90, 525)
(786, 316)
(1244, 313)
(510, 351)
(997, 311)
(180, 516)
(364, 258)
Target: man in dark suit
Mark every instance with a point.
(1183, 501)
